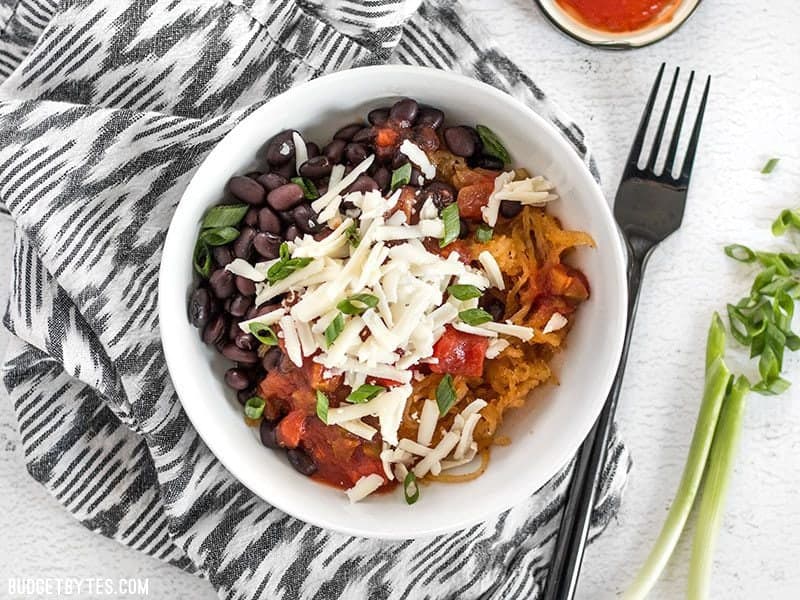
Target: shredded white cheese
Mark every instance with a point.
(300, 150)
(241, 267)
(417, 156)
(556, 322)
(427, 422)
(492, 269)
(364, 487)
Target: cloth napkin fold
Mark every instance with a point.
(106, 110)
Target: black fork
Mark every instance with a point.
(649, 207)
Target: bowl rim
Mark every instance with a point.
(569, 28)
(585, 419)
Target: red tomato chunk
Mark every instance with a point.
(460, 353)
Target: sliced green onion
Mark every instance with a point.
(452, 224)
(264, 334)
(365, 393)
(484, 233)
(715, 487)
(224, 215)
(401, 176)
(786, 220)
(309, 189)
(464, 292)
(718, 378)
(333, 330)
(410, 488)
(286, 265)
(254, 407)
(474, 316)
(445, 394)
(202, 259)
(740, 253)
(355, 305)
(492, 144)
(219, 236)
(769, 167)
(322, 407)
(353, 235)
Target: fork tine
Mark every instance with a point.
(636, 148)
(688, 162)
(651, 163)
(676, 134)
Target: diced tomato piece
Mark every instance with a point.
(386, 136)
(464, 177)
(460, 353)
(387, 383)
(568, 282)
(472, 198)
(290, 429)
(317, 379)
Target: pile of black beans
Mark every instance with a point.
(279, 210)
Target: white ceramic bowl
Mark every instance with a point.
(617, 41)
(544, 435)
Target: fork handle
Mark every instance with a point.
(562, 579)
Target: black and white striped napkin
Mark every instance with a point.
(106, 109)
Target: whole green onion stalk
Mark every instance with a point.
(715, 487)
(717, 379)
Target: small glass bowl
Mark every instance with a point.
(627, 40)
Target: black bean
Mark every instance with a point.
(441, 193)
(237, 379)
(247, 190)
(251, 217)
(399, 160)
(335, 151)
(221, 282)
(270, 181)
(222, 255)
(322, 188)
(306, 219)
(243, 246)
(364, 136)
(268, 221)
(286, 171)
(430, 116)
(364, 183)
(215, 330)
(426, 138)
(280, 149)
(461, 140)
(272, 358)
(312, 149)
(285, 197)
(383, 178)
(246, 287)
(286, 217)
(321, 235)
(316, 168)
(404, 112)
(267, 244)
(347, 132)
(355, 153)
(267, 433)
(200, 307)
(487, 162)
(494, 307)
(245, 341)
(254, 174)
(378, 116)
(239, 305)
(233, 352)
(463, 230)
(291, 233)
(301, 462)
(510, 208)
(257, 311)
(244, 395)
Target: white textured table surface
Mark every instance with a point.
(753, 54)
